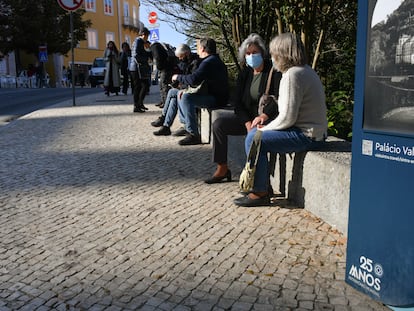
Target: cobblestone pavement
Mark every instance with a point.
(96, 213)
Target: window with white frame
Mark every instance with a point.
(135, 16)
(90, 5)
(109, 36)
(92, 38)
(127, 20)
(108, 7)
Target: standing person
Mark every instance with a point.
(301, 121)
(112, 79)
(39, 74)
(125, 58)
(164, 65)
(187, 64)
(212, 72)
(251, 84)
(140, 69)
(64, 77)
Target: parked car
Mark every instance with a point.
(97, 72)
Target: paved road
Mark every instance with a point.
(21, 101)
(98, 214)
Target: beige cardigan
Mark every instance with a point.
(301, 103)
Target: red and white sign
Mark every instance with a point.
(152, 17)
(70, 5)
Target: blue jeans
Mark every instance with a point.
(283, 141)
(171, 107)
(189, 103)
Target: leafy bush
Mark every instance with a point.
(340, 112)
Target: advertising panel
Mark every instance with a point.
(380, 251)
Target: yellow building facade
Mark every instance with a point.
(112, 20)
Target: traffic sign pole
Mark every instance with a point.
(73, 59)
(71, 5)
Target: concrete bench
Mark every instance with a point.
(317, 180)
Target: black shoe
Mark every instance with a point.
(143, 107)
(190, 139)
(161, 105)
(219, 179)
(159, 122)
(247, 202)
(180, 132)
(163, 131)
(138, 109)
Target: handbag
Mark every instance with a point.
(201, 89)
(267, 99)
(246, 180)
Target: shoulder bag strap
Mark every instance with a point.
(255, 149)
(269, 81)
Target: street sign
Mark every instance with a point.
(70, 5)
(43, 53)
(154, 35)
(152, 17)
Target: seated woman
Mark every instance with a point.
(251, 84)
(302, 114)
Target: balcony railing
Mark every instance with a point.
(129, 21)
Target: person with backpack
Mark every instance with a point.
(165, 61)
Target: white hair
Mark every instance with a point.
(182, 49)
(255, 39)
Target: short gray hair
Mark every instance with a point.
(182, 49)
(255, 39)
(288, 50)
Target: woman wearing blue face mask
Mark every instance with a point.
(251, 84)
(301, 122)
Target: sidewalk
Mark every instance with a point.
(96, 213)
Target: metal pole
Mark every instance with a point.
(73, 59)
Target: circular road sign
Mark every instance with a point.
(70, 5)
(152, 17)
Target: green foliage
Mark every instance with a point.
(27, 26)
(340, 107)
(327, 28)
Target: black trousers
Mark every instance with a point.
(140, 89)
(222, 127)
(125, 82)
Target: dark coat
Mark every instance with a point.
(189, 64)
(141, 55)
(213, 71)
(124, 56)
(243, 106)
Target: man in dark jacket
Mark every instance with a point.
(212, 73)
